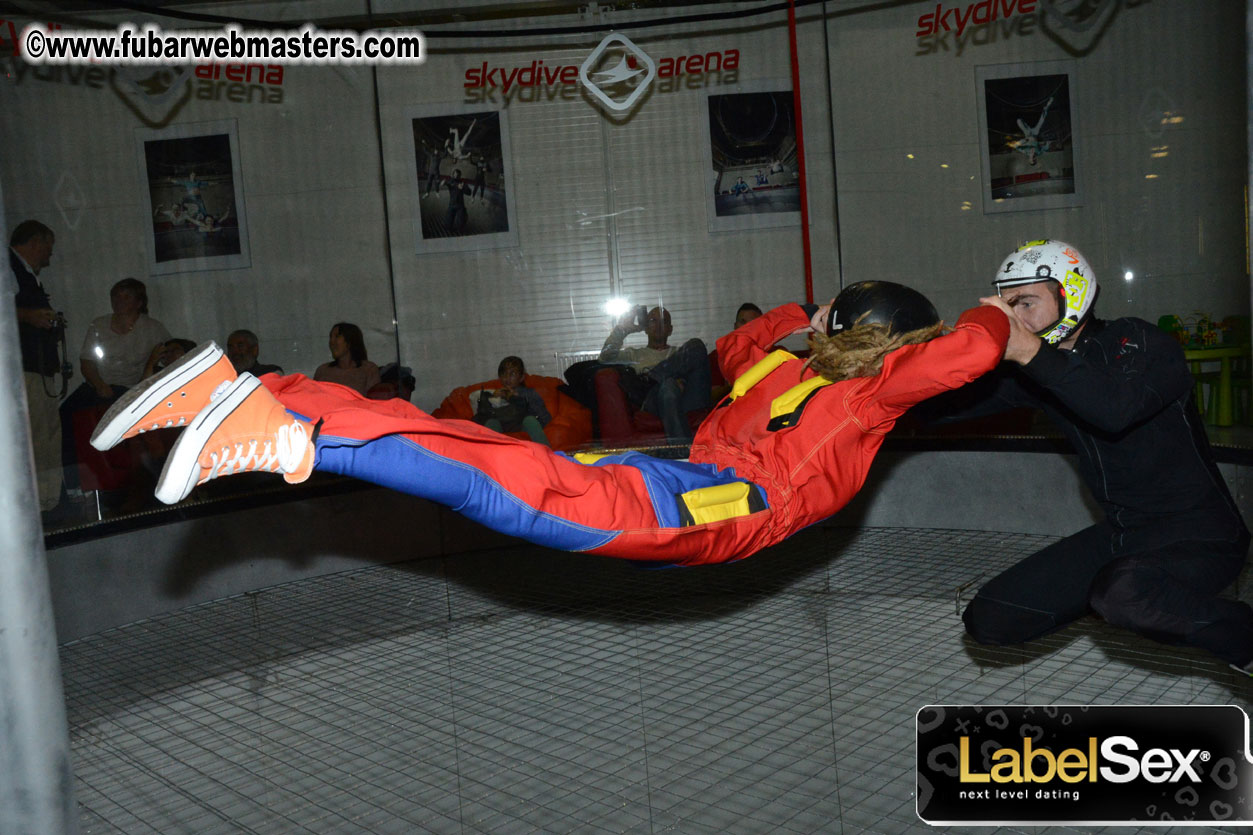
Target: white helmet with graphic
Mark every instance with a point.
(1058, 261)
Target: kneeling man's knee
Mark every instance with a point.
(1120, 594)
(990, 621)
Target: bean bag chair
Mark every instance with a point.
(570, 428)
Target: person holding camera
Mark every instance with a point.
(665, 381)
(39, 328)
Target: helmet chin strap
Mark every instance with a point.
(1053, 337)
(1050, 334)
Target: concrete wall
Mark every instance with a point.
(1024, 492)
(118, 579)
(114, 580)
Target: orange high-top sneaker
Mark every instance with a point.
(245, 429)
(171, 398)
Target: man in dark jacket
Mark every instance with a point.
(30, 250)
(1121, 392)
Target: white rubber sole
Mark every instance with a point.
(181, 472)
(146, 395)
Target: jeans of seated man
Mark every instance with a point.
(530, 425)
(682, 387)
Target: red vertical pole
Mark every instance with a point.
(800, 152)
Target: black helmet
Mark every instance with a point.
(900, 308)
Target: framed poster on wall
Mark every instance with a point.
(1028, 136)
(754, 172)
(195, 202)
(462, 170)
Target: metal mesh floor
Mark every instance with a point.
(524, 690)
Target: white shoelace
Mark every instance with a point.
(182, 421)
(282, 453)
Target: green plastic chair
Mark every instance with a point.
(1236, 331)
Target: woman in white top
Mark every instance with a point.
(114, 354)
(117, 346)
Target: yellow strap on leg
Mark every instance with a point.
(719, 502)
(592, 457)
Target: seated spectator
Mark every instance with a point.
(243, 347)
(747, 313)
(166, 354)
(396, 380)
(718, 383)
(515, 406)
(349, 365)
(665, 381)
(115, 353)
(569, 429)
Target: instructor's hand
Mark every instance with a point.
(1023, 345)
(818, 323)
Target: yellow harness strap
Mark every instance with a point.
(759, 372)
(785, 409)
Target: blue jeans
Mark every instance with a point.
(682, 387)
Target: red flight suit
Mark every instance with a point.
(797, 466)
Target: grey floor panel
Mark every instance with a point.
(526, 691)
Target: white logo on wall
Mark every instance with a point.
(154, 94)
(1079, 24)
(618, 85)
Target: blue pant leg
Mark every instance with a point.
(399, 463)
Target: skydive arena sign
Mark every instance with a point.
(536, 81)
(1106, 766)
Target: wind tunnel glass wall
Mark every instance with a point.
(485, 204)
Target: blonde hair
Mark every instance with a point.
(859, 350)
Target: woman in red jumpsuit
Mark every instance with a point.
(787, 448)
